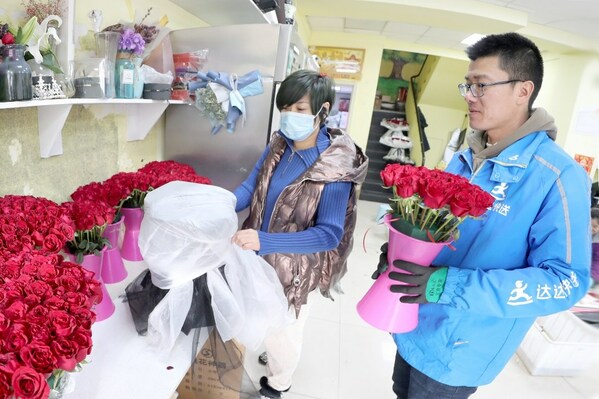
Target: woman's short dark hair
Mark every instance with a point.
(594, 213)
(302, 82)
(518, 56)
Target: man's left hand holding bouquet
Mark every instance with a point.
(425, 284)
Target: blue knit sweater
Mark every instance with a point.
(328, 228)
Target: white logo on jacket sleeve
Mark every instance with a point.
(518, 296)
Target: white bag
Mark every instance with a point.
(186, 232)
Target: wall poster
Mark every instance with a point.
(587, 162)
(339, 63)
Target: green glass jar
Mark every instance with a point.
(15, 74)
(124, 75)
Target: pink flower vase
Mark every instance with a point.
(113, 268)
(130, 248)
(93, 263)
(380, 307)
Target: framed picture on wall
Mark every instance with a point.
(587, 162)
(338, 62)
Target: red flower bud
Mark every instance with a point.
(8, 38)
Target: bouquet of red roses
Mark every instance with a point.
(131, 188)
(28, 223)
(432, 201)
(90, 219)
(45, 302)
(45, 321)
(426, 209)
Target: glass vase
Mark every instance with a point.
(106, 47)
(138, 84)
(15, 74)
(124, 75)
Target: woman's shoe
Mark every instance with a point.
(269, 392)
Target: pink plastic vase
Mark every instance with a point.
(113, 268)
(130, 248)
(380, 307)
(93, 263)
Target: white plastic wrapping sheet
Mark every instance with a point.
(186, 232)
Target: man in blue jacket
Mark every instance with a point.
(528, 256)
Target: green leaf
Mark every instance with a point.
(51, 63)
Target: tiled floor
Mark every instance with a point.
(343, 358)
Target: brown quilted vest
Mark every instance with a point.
(295, 210)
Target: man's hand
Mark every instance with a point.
(422, 284)
(382, 266)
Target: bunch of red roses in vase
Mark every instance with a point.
(430, 204)
(45, 302)
(90, 218)
(126, 191)
(427, 207)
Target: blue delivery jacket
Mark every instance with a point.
(529, 255)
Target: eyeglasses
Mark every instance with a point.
(478, 89)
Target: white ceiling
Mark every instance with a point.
(561, 26)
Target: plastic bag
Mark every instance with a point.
(186, 232)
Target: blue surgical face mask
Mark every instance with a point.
(297, 126)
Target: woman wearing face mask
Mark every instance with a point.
(302, 211)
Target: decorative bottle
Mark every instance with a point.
(15, 74)
(124, 75)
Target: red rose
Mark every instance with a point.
(76, 300)
(83, 340)
(9, 362)
(5, 389)
(47, 272)
(4, 323)
(52, 243)
(406, 186)
(70, 284)
(66, 230)
(38, 288)
(39, 357)
(482, 201)
(66, 352)
(38, 238)
(461, 204)
(29, 384)
(61, 322)
(29, 268)
(55, 303)
(39, 333)
(8, 229)
(16, 310)
(32, 300)
(85, 318)
(21, 228)
(15, 339)
(73, 270)
(37, 314)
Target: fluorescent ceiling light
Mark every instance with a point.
(473, 38)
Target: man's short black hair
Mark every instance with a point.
(518, 56)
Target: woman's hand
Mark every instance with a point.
(247, 239)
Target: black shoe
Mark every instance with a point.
(263, 359)
(269, 392)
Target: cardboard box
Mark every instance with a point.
(202, 380)
(560, 345)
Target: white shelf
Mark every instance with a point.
(212, 11)
(51, 114)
